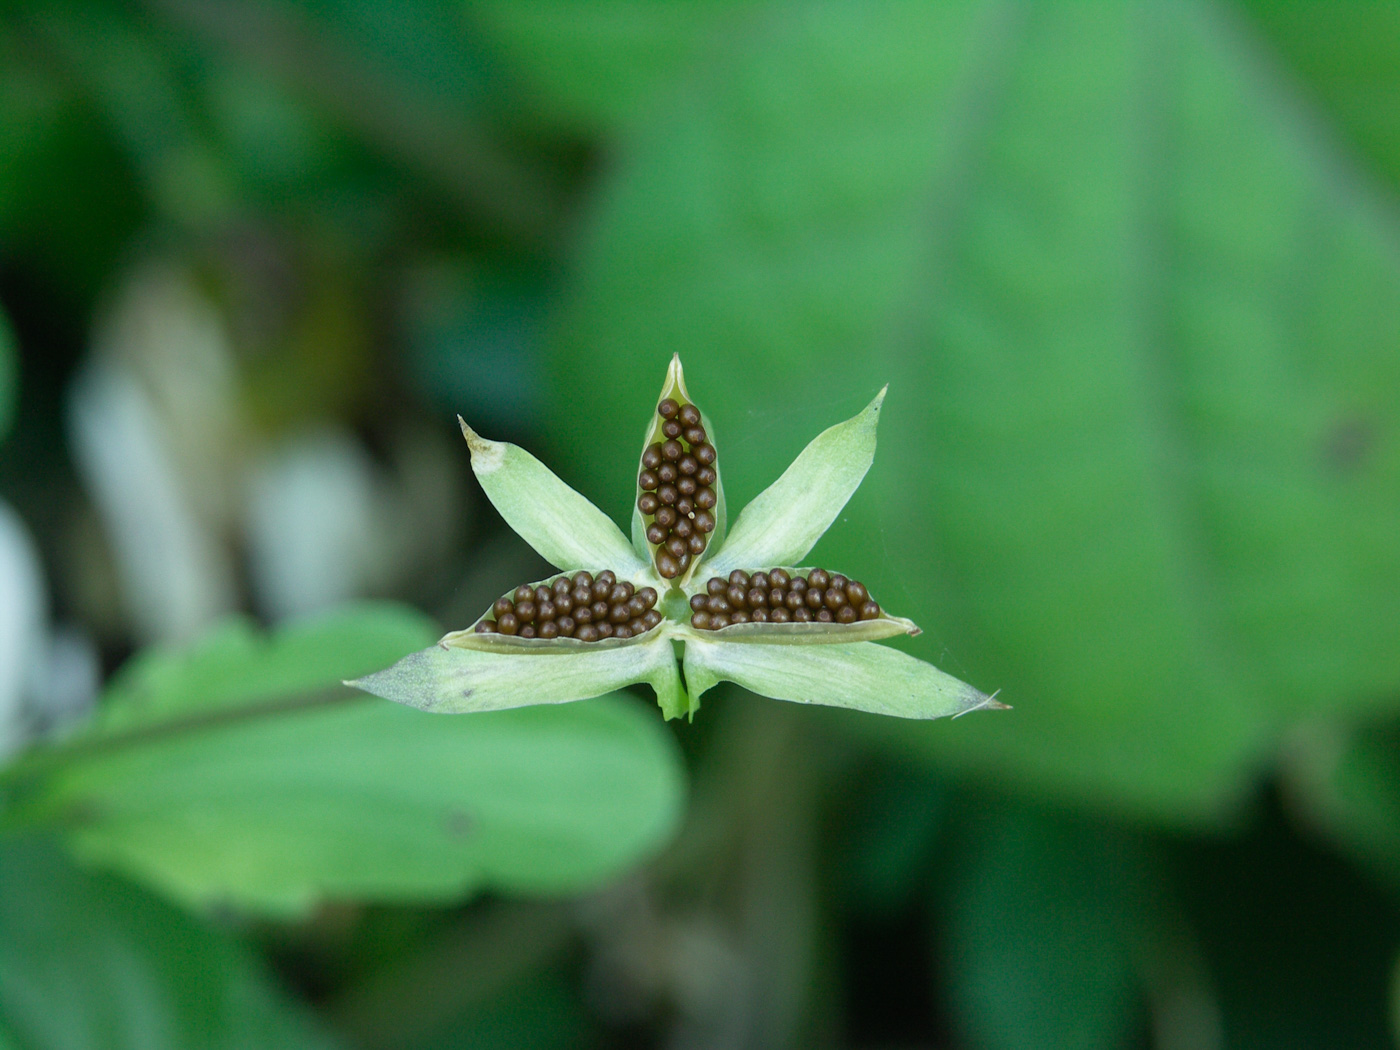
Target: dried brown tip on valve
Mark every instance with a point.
(582, 606)
(677, 481)
(776, 596)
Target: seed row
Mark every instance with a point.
(777, 596)
(583, 606)
(678, 496)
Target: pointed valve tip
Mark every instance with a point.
(486, 455)
(982, 702)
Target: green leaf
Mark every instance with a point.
(9, 377)
(860, 675)
(568, 531)
(785, 520)
(448, 679)
(244, 778)
(1045, 919)
(1140, 324)
(92, 962)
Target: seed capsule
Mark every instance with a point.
(676, 493)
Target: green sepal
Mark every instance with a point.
(450, 679)
(787, 518)
(862, 676)
(566, 529)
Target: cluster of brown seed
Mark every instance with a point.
(583, 606)
(677, 479)
(776, 596)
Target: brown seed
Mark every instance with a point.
(563, 585)
(846, 614)
(648, 596)
(525, 611)
(486, 627)
(668, 408)
(698, 602)
(758, 615)
(657, 533)
(696, 543)
(667, 566)
(583, 579)
(619, 614)
(802, 615)
(651, 458)
(648, 480)
(672, 429)
(738, 597)
(622, 631)
(757, 597)
(777, 596)
(824, 616)
(684, 527)
(856, 592)
(779, 578)
(813, 598)
(689, 415)
(507, 624)
(760, 580)
(636, 627)
(563, 603)
(684, 560)
(583, 612)
(527, 630)
(705, 498)
(717, 604)
(667, 494)
(834, 599)
(793, 600)
(549, 629)
(678, 548)
(587, 633)
(686, 486)
(647, 503)
(666, 474)
(622, 592)
(607, 577)
(600, 610)
(636, 607)
(666, 517)
(704, 521)
(695, 436)
(546, 610)
(503, 606)
(542, 594)
(671, 450)
(739, 616)
(838, 581)
(706, 475)
(605, 629)
(582, 596)
(687, 464)
(705, 453)
(819, 579)
(567, 626)
(524, 593)
(651, 618)
(717, 585)
(778, 614)
(739, 577)
(869, 610)
(701, 620)
(685, 505)
(798, 584)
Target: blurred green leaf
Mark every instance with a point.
(9, 377)
(91, 962)
(1044, 921)
(1137, 466)
(242, 771)
(590, 65)
(1348, 52)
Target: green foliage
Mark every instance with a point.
(89, 962)
(1136, 325)
(9, 377)
(241, 771)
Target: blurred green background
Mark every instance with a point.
(1132, 272)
